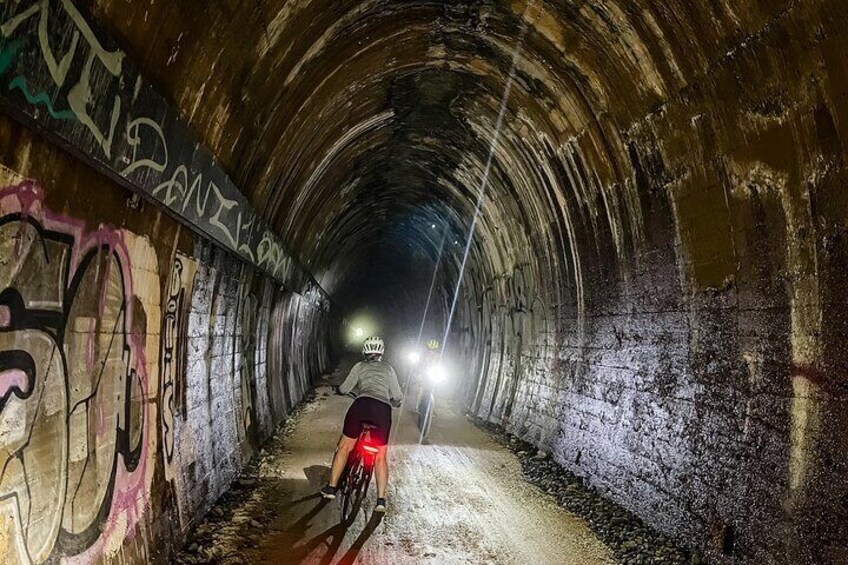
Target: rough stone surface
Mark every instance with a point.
(246, 511)
(655, 290)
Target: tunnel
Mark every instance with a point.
(621, 219)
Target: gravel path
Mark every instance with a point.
(460, 498)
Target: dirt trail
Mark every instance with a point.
(460, 498)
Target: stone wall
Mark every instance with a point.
(655, 289)
(140, 367)
(685, 352)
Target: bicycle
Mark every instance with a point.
(426, 405)
(356, 477)
(425, 412)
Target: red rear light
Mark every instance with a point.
(371, 449)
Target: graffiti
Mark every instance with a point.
(172, 353)
(134, 139)
(98, 104)
(518, 293)
(72, 378)
(81, 93)
(271, 255)
(518, 300)
(180, 191)
(39, 98)
(95, 368)
(247, 374)
(483, 331)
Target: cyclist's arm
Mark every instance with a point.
(351, 381)
(394, 389)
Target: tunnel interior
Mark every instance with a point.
(626, 218)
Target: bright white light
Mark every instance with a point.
(437, 374)
(413, 357)
(358, 332)
(433, 226)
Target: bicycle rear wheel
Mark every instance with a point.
(350, 489)
(368, 472)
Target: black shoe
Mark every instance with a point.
(381, 505)
(329, 492)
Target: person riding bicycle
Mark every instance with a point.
(375, 384)
(431, 358)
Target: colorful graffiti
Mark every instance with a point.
(72, 378)
(113, 375)
(55, 66)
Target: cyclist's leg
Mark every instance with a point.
(381, 471)
(382, 417)
(350, 434)
(346, 445)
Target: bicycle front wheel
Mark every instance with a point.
(425, 418)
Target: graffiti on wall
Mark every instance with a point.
(172, 353)
(94, 368)
(61, 74)
(516, 326)
(73, 383)
(247, 370)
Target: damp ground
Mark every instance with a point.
(461, 497)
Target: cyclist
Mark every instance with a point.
(376, 387)
(431, 358)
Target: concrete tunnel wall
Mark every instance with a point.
(141, 367)
(656, 288)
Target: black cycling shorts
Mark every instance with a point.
(366, 410)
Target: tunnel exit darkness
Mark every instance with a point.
(655, 288)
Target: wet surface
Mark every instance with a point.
(460, 498)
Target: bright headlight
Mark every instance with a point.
(359, 332)
(437, 373)
(413, 357)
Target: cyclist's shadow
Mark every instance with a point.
(333, 537)
(298, 529)
(350, 556)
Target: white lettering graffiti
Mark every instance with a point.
(134, 140)
(80, 95)
(105, 94)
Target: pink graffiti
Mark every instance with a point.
(130, 499)
(26, 198)
(11, 379)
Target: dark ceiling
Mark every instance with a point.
(354, 126)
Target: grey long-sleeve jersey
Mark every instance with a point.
(374, 379)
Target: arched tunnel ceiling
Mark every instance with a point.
(354, 126)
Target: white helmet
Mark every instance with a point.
(373, 344)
